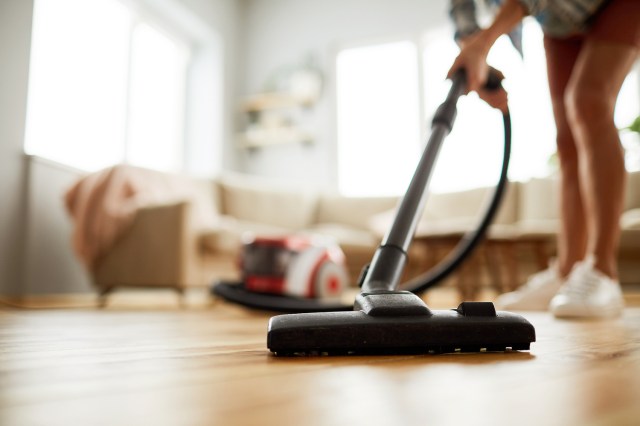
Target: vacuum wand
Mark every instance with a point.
(389, 260)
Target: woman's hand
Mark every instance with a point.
(473, 59)
(475, 48)
(497, 97)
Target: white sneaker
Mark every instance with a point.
(588, 293)
(535, 294)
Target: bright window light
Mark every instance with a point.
(377, 118)
(105, 87)
(77, 85)
(158, 67)
(627, 109)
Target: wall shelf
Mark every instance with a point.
(273, 119)
(275, 100)
(264, 137)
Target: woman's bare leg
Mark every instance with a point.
(590, 98)
(572, 234)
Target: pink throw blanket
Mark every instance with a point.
(103, 204)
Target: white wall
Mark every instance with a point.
(15, 39)
(214, 112)
(50, 265)
(278, 33)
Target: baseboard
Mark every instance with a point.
(120, 298)
(51, 301)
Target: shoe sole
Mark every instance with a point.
(587, 312)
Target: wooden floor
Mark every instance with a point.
(208, 365)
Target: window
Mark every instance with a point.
(156, 100)
(379, 120)
(106, 86)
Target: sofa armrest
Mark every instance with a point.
(156, 250)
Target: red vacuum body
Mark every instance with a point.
(293, 266)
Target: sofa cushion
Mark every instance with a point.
(227, 236)
(205, 197)
(459, 204)
(254, 200)
(539, 199)
(445, 227)
(345, 235)
(454, 213)
(352, 211)
(470, 203)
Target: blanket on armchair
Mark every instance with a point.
(103, 204)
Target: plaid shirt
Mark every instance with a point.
(558, 18)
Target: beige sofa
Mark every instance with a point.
(165, 246)
(170, 245)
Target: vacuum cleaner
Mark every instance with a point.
(385, 319)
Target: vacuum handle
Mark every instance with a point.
(446, 113)
(412, 204)
(388, 262)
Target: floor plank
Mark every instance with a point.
(210, 365)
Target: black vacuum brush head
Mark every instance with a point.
(399, 323)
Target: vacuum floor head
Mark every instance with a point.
(399, 323)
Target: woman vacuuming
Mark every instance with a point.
(590, 47)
